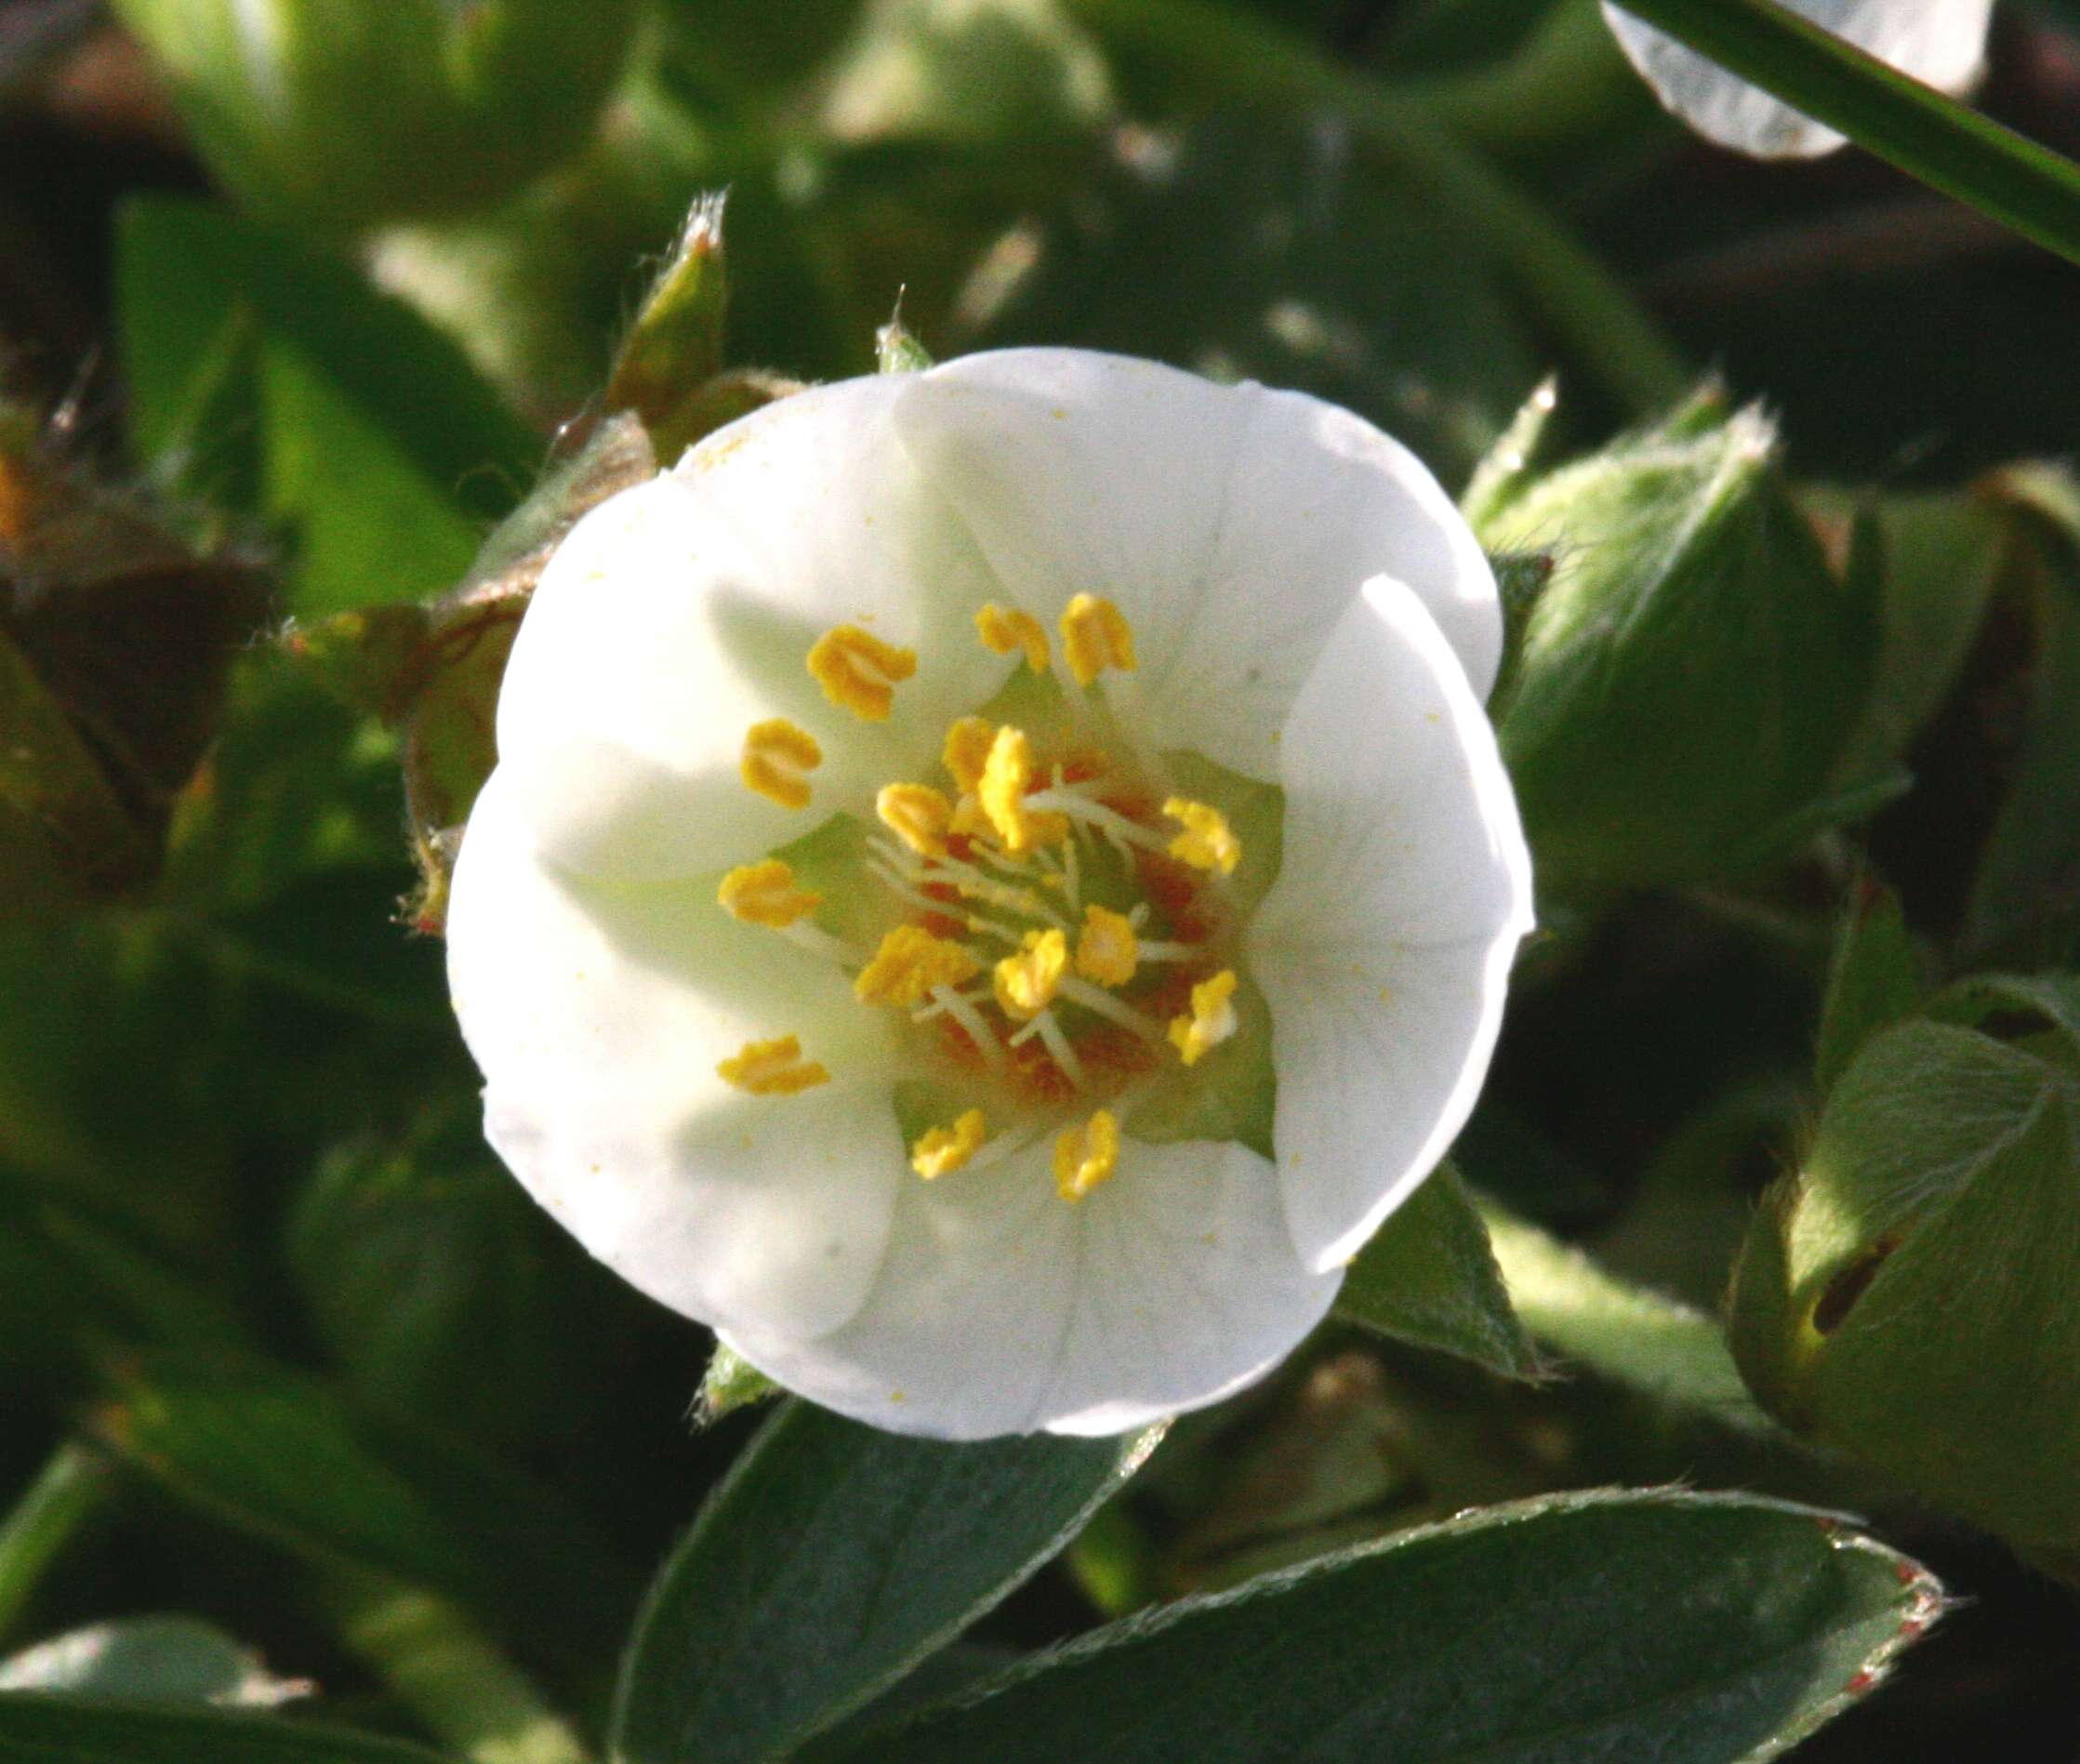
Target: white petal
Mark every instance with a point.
(1230, 524)
(1942, 43)
(681, 612)
(597, 1013)
(1003, 1310)
(1385, 947)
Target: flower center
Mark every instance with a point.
(1056, 920)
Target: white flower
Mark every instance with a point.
(1941, 43)
(880, 938)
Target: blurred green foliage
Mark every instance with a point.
(389, 293)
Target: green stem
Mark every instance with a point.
(1562, 85)
(468, 1694)
(1945, 144)
(63, 1497)
(1587, 307)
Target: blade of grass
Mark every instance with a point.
(1947, 145)
(67, 1493)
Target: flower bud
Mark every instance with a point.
(350, 112)
(1907, 1296)
(1689, 676)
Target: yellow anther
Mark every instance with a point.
(773, 1069)
(967, 750)
(1025, 984)
(1206, 842)
(909, 964)
(946, 1149)
(1095, 636)
(917, 814)
(1006, 777)
(776, 755)
(1106, 949)
(765, 894)
(858, 670)
(1212, 1021)
(1086, 1155)
(1003, 629)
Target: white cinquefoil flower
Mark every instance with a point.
(1941, 43)
(997, 882)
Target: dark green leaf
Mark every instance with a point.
(48, 1729)
(1429, 1277)
(1691, 1629)
(286, 1458)
(444, 1291)
(832, 1561)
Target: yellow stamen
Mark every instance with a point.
(946, 1148)
(1006, 779)
(858, 670)
(1106, 949)
(1206, 842)
(967, 750)
(1025, 984)
(1086, 1155)
(773, 1069)
(1095, 636)
(1003, 629)
(909, 964)
(776, 755)
(1212, 1021)
(765, 894)
(917, 814)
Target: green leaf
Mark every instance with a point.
(832, 1561)
(370, 525)
(165, 1659)
(182, 267)
(443, 1291)
(1429, 1277)
(1624, 1332)
(50, 1729)
(1874, 981)
(283, 1457)
(374, 431)
(1687, 1628)
(1947, 145)
(1689, 677)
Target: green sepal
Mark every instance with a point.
(1689, 677)
(1873, 980)
(1906, 1297)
